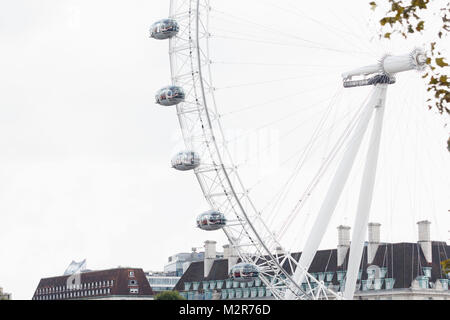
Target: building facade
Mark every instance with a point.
(406, 271)
(178, 263)
(161, 281)
(112, 284)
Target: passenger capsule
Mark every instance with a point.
(186, 160)
(244, 272)
(164, 29)
(170, 96)
(211, 220)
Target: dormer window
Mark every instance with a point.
(321, 276)
(340, 275)
(444, 283)
(329, 276)
(378, 283)
(389, 283)
(423, 282)
(371, 272)
(426, 272)
(364, 285)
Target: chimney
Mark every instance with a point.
(226, 251)
(230, 254)
(374, 241)
(279, 251)
(425, 239)
(210, 256)
(343, 244)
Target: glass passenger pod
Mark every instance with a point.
(211, 220)
(186, 160)
(170, 96)
(244, 272)
(164, 29)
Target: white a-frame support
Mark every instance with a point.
(383, 75)
(337, 184)
(365, 196)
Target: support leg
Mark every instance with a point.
(365, 198)
(335, 190)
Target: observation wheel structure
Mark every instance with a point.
(206, 153)
(218, 177)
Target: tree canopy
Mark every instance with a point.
(169, 295)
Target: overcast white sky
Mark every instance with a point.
(84, 151)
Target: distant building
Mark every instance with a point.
(406, 271)
(4, 295)
(113, 284)
(177, 264)
(161, 281)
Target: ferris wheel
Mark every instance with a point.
(255, 237)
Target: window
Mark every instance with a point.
(132, 282)
(131, 273)
(134, 290)
(427, 272)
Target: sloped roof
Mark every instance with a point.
(119, 275)
(404, 262)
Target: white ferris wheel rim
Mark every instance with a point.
(279, 281)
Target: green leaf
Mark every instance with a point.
(420, 26)
(441, 63)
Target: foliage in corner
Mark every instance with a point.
(408, 18)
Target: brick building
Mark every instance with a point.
(112, 284)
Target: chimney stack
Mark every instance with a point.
(279, 251)
(374, 241)
(226, 251)
(210, 256)
(425, 239)
(230, 254)
(343, 244)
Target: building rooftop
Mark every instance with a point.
(94, 284)
(403, 262)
